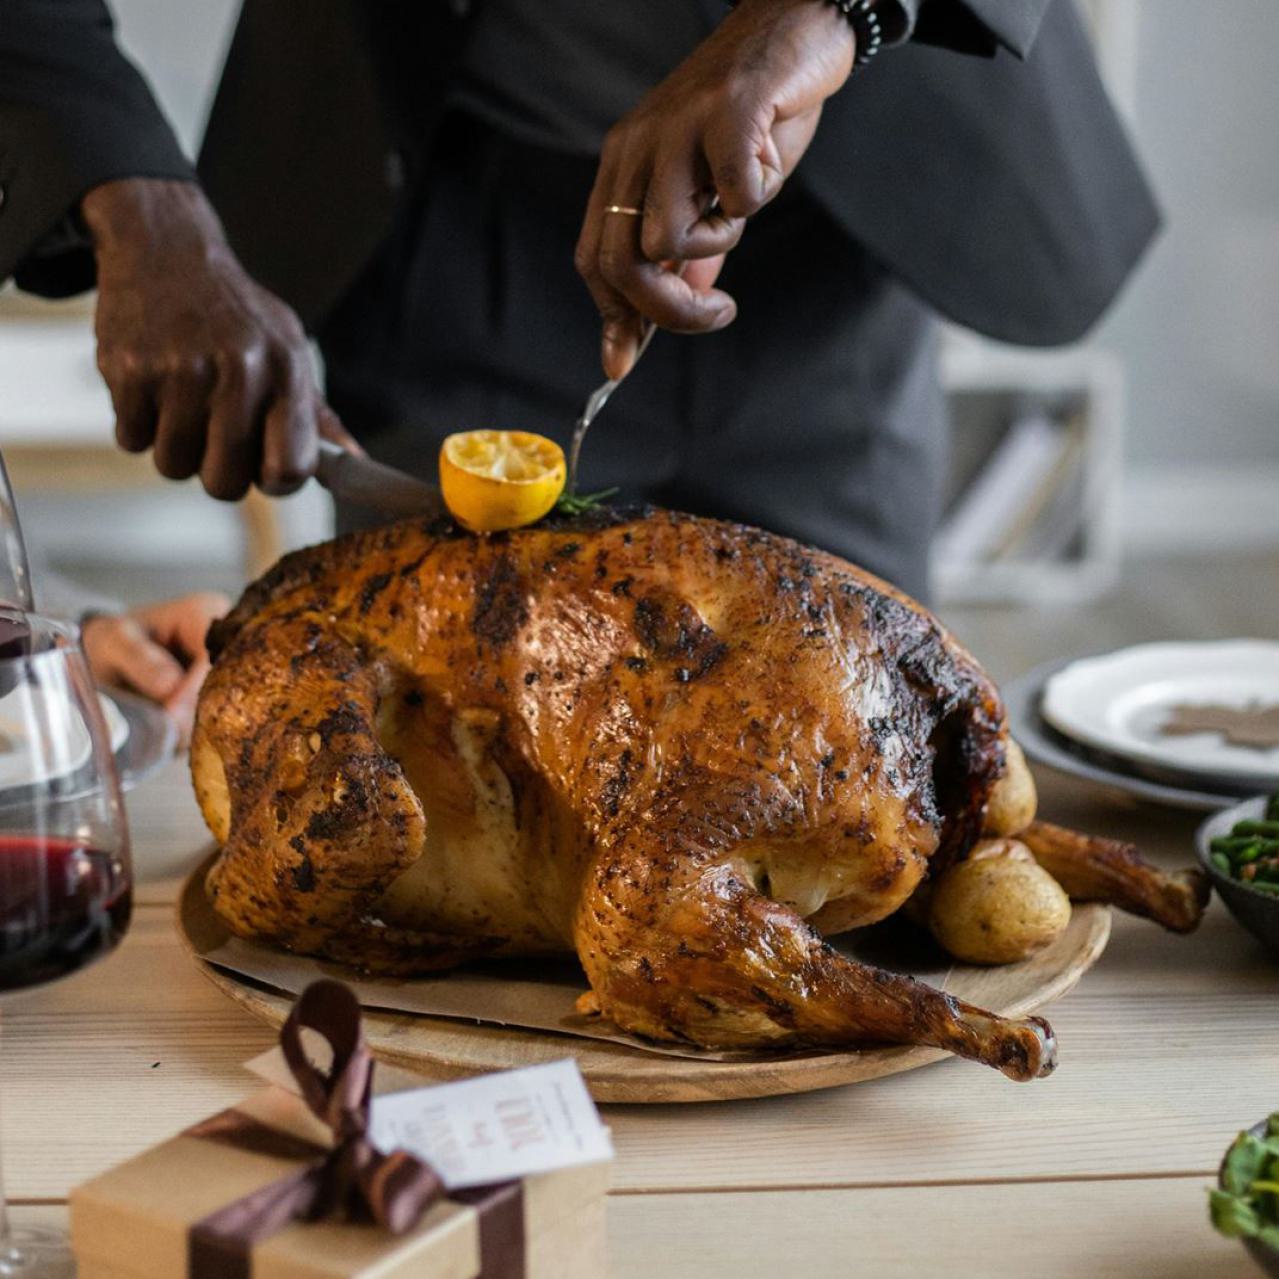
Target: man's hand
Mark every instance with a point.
(204, 366)
(732, 122)
(157, 651)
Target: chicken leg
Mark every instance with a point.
(680, 944)
(1092, 869)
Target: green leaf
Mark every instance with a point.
(1232, 1216)
(1245, 1162)
(1269, 1235)
(579, 504)
(1272, 1125)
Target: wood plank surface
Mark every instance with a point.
(1168, 1047)
(1151, 1228)
(1148, 1229)
(1141, 1229)
(1160, 1064)
(168, 834)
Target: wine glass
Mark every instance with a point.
(65, 881)
(15, 570)
(17, 597)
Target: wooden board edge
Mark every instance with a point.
(652, 1079)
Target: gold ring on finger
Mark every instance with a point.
(624, 208)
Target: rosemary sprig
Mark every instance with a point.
(580, 503)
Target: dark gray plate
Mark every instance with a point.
(151, 742)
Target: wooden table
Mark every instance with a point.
(1167, 1048)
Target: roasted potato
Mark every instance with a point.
(1012, 803)
(998, 906)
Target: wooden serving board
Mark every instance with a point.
(446, 1048)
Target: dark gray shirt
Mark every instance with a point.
(559, 73)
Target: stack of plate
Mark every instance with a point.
(1105, 719)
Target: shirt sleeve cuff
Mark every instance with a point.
(898, 18)
(978, 26)
(74, 113)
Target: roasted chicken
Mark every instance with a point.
(683, 749)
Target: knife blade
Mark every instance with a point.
(363, 482)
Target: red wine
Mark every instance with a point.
(62, 905)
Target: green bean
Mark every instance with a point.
(1251, 845)
(1268, 828)
(1237, 843)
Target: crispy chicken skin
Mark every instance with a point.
(675, 746)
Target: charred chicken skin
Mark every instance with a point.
(683, 749)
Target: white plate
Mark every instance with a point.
(1045, 745)
(21, 767)
(1118, 703)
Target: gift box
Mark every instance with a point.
(290, 1185)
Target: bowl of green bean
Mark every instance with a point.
(1239, 848)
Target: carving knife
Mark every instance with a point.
(363, 482)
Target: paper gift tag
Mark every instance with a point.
(497, 1127)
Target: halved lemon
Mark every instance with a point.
(494, 480)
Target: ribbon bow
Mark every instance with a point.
(353, 1179)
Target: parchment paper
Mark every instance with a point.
(533, 994)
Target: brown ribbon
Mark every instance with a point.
(353, 1180)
